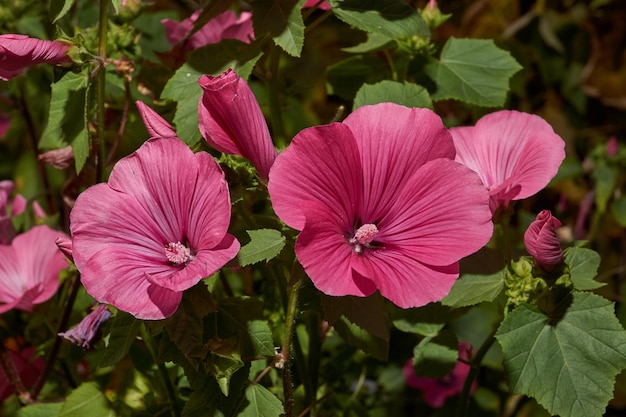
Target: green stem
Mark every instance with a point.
(292, 307)
(169, 388)
(98, 140)
(69, 305)
(276, 111)
(463, 406)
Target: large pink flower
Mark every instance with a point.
(381, 204)
(19, 51)
(156, 229)
(29, 269)
(232, 122)
(225, 26)
(515, 154)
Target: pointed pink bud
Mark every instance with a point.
(157, 126)
(542, 242)
(18, 52)
(232, 122)
(58, 158)
(85, 333)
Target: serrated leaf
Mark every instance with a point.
(471, 289)
(59, 8)
(122, 333)
(392, 18)
(405, 93)
(362, 339)
(568, 367)
(365, 312)
(583, 267)
(242, 315)
(40, 410)
(282, 19)
(426, 321)
(87, 400)
(265, 244)
(259, 402)
(66, 118)
(472, 70)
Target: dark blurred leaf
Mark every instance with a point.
(435, 357)
(618, 208)
(282, 19)
(122, 333)
(374, 42)
(426, 321)
(244, 317)
(604, 176)
(362, 339)
(406, 94)
(365, 312)
(346, 77)
(58, 8)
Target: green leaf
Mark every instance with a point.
(346, 77)
(244, 316)
(184, 89)
(40, 410)
(472, 70)
(87, 400)
(66, 119)
(569, 366)
(58, 8)
(618, 209)
(405, 93)
(471, 289)
(362, 339)
(605, 177)
(282, 19)
(426, 321)
(374, 42)
(259, 402)
(583, 267)
(365, 312)
(392, 18)
(122, 333)
(435, 357)
(265, 244)
(116, 5)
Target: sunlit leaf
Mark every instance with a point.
(471, 289)
(426, 321)
(59, 8)
(265, 244)
(569, 366)
(259, 402)
(583, 264)
(282, 19)
(40, 410)
(87, 400)
(406, 94)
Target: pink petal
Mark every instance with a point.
(514, 146)
(321, 164)
(310, 3)
(394, 141)
(155, 124)
(18, 52)
(224, 26)
(440, 216)
(232, 122)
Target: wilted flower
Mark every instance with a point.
(58, 158)
(18, 52)
(438, 390)
(64, 244)
(232, 122)
(85, 332)
(542, 242)
(29, 269)
(515, 154)
(27, 366)
(155, 124)
(225, 26)
(156, 229)
(381, 205)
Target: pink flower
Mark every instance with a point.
(8, 209)
(27, 366)
(225, 26)
(29, 269)
(84, 334)
(515, 154)
(381, 205)
(58, 158)
(612, 146)
(19, 51)
(542, 242)
(435, 390)
(310, 3)
(155, 124)
(232, 122)
(156, 229)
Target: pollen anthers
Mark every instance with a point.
(177, 253)
(363, 236)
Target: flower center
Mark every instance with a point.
(363, 236)
(177, 253)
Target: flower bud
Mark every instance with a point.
(542, 242)
(84, 334)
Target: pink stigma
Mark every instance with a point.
(363, 236)
(177, 253)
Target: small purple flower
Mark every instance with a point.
(84, 334)
(542, 242)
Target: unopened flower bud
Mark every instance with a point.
(542, 242)
(84, 334)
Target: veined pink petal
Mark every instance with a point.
(310, 3)
(393, 142)
(19, 51)
(157, 228)
(29, 268)
(232, 122)
(321, 164)
(510, 146)
(155, 124)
